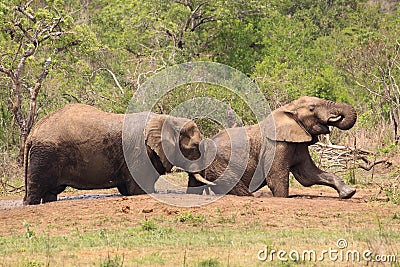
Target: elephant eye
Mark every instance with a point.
(183, 134)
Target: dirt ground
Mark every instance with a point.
(316, 207)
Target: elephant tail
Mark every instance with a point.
(28, 145)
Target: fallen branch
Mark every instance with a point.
(6, 187)
(337, 147)
(334, 156)
(369, 165)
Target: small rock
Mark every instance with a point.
(126, 209)
(147, 210)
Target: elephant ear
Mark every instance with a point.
(153, 137)
(286, 129)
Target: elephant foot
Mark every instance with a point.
(240, 189)
(130, 188)
(31, 201)
(347, 192)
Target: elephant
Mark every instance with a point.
(85, 148)
(248, 158)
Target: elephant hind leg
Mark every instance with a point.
(325, 178)
(35, 197)
(41, 176)
(307, 174)
(34, 192)
(30, 199)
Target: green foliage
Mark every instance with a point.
(289, 48)
(351, 176)
(116, 261)
(391, 188)
(34, 263)
(212, 262)
(154, 258)
(391, 148)
(393, 193)
(190, 218)
(29, 233)
(149, 225)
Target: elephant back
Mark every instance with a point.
(77, 123)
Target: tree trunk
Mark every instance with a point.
(25, 124)
(395, 127)
(20, 158)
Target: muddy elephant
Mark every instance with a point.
(84, 148)
(248, 158)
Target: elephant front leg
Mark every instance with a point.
(240, 189)
(131, 188)
(51, 195)
(277, 171)
(307, 174)
(278, 183)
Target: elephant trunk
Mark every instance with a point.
(204, 155)
(342, 116)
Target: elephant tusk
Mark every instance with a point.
(200, 179)
(335, 119)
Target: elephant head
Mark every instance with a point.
(307, 117)
(176, 141)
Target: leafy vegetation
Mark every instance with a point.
(190, 218)
(55, 52)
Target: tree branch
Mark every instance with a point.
(171, 34)
(114, 77)
(23, 11)
(195, 18)
(6, 71)
(369, 165)
(25, 32)
(17, 103)
(34, 92)
(22, 61)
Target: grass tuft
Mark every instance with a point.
(116, 261)
(212, 262)
(190, 218)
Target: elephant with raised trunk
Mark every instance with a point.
(85, 148)
(248, 158)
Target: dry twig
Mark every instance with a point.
(341, 156)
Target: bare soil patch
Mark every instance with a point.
(306, 208)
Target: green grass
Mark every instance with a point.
(190, 218)
(154, 243)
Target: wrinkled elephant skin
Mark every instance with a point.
(275, 147)
(82, 147)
